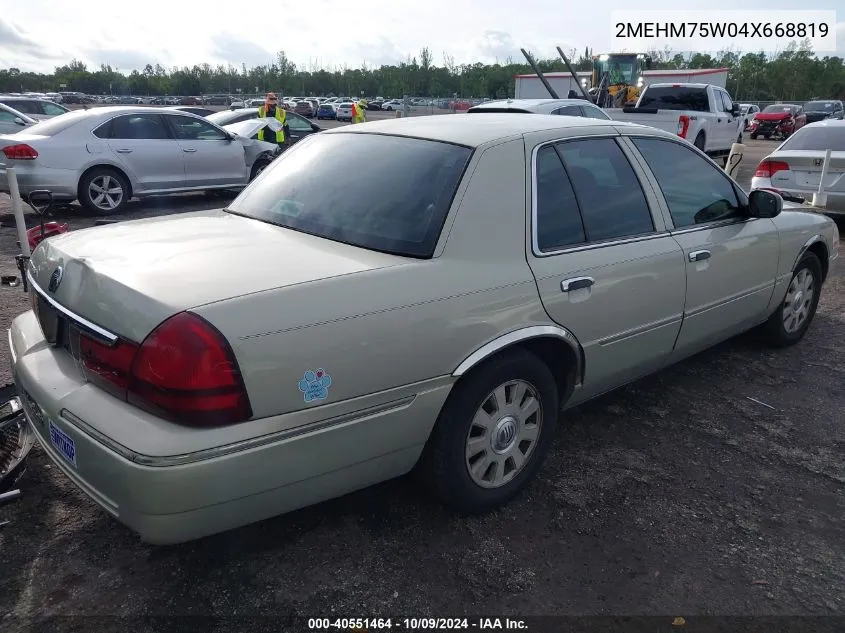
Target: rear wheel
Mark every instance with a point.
(699, 141)
(103, 191)
(792, 319)
(753, 137)
(493, 433)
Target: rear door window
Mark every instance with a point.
(570, 110)
(609, 193)
(558, 223)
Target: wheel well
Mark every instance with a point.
(112, 168)
(561, 359)
(819, 249)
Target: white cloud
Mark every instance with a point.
(329, 33)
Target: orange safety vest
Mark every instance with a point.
(358, 115)
(281, 117)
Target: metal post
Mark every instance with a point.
(734, 159)
(405, 107)
(540, 74)
(10, 496)
(574, 74)
(17, 209)
(820, 197)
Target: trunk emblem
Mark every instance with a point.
(55, 279)
(817, 162)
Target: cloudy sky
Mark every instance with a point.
(40, 34)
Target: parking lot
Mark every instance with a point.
(713, 487)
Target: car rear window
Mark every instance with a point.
(671, 98)
(51, 127)
(817, 138)
(398, 205)
(819, 106)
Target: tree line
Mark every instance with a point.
(793, 74)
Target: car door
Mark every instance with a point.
(731, 259)
(734, 126)
(299, 127)
(144, 147)
(719, 136)
(8, 123)
(212, 157)
(606, 268)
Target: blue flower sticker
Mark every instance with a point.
(315, 385)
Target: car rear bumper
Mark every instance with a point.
(62, 183)
(177, 498)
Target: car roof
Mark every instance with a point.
(475, 131)
(680, 84)
(826, 123)
(24, 98)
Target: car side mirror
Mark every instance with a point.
(764, 203)
(20, 121)
(737, 110)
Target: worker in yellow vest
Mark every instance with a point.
(271, 108)
(359, 110)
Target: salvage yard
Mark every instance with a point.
(712, 488)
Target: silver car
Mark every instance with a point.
(105, 156)
(38, 109)
(197, 372)
(560, 107)
(795, 167)
(12, 121)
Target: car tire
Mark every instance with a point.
(446, 462)
(100, 179)
(788, 324)
(753, 137)
(257, 167)
(699, 141)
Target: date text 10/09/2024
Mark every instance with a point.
(415, 624)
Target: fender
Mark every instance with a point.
(807, 245)
(524, 334)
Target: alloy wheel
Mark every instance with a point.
(799, 301)
(105, 192)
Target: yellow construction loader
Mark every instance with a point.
(618, 78)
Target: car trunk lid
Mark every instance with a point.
(805, 169)
(129, 277)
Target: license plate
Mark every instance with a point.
(63, 443)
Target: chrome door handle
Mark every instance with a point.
(124, 151)
(697, 256)
(188, 149)
(576, 283)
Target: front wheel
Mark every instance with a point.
(792, 319)
(257, 168)
(753, 137)
(493, 433)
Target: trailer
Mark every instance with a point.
(531, 87)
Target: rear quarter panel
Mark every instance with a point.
(398, 326)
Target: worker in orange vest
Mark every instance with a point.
(359, 111)
(272, 109)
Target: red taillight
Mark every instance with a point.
(683, 125)
(106, 366)
(185, 371)
(20, 152)
(768, 168)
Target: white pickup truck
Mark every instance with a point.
(703, 114)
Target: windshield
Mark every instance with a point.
(51, 127)
(819, 106)
(621, 69)
(675, 98)
(398, 206)
(817, 138)
(778, 109)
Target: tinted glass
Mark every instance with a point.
(817, 138)
(194, 129)
(137, 127)
(611, 199)
(726, 99)
(225, 118)
(593, 112)
(558, 218)
(51, 109)
(7, 116)
(819, 106)
(297, 123)
(569, 111)
(670, 98)
(27, 107)
(399, 207)
(695, 189)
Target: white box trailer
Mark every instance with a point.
(714, 76)
(530, 86)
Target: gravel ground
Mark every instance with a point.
(712, 488)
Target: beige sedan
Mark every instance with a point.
(437, 312)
